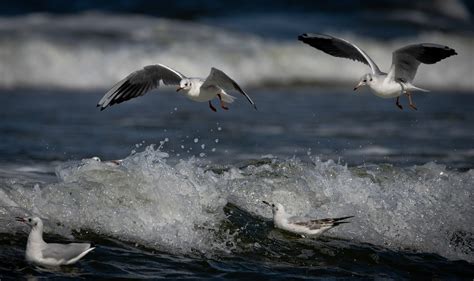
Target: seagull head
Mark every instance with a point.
(95, 158)
(365, 80)
(31, 221)
(276, 207)
(184, 84)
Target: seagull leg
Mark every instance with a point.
(212, 107)
(222, 103)
(398, 103)
(412, 105)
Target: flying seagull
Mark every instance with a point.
(405, 62)
(144, 80)
(50, 254)
(302, 225)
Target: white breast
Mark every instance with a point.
(199, 94)
(386, 89)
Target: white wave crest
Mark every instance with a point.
(179, 207)
(91, 51)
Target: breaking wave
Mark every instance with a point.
(94, 50)
(178, 205)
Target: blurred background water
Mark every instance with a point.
(185, 203)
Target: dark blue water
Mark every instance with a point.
(276, 153)
(186, 200)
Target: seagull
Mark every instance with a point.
(144, 80)
(302, 225)
(405, 62)
(109, 162)
(50, 254)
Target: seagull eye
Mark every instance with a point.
(29, 220)
(364, 81)
(370, 79)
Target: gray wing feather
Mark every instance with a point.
(405, 61)
(220, 79)
(139, 83)
(64, 251)
(318, 223)
(338, 47)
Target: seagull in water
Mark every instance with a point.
(302, 225)
(109, 162)
(405, 62)
(50, 254)
(144, 80)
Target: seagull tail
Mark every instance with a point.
(414, 88)
(227, 98)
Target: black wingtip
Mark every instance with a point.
(302, 36)
(340, 222)
(343, 218)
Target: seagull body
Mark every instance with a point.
(142, 81)
(51, 254)
(405, 62)
(302, 225)
(116, 162)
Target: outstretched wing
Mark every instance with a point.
(64, 252)
(220, 79)
(338, 47)
(139, 83)
(405, 61)
(319, 223)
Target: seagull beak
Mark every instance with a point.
(358, 85)
(20, 219)
(179, 89)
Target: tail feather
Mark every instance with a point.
(227, 98)
(415, 88)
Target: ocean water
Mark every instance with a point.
(186, 200)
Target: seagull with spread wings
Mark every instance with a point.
(144, 80)
(405, 62)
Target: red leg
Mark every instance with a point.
(222, 103)
(212, 107)
(398, 103)
(412, 105)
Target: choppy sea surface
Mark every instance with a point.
(186, 200)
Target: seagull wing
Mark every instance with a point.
(220, 79)
(319, 223)
(64, 252)
(139, 83)
(338, 47)
(405, 61)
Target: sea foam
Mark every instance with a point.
(179, 206)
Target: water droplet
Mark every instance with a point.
(202, 154)
(196, 140)
(219, 128)
(216, 140)
(203, 146)
(213, 149)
